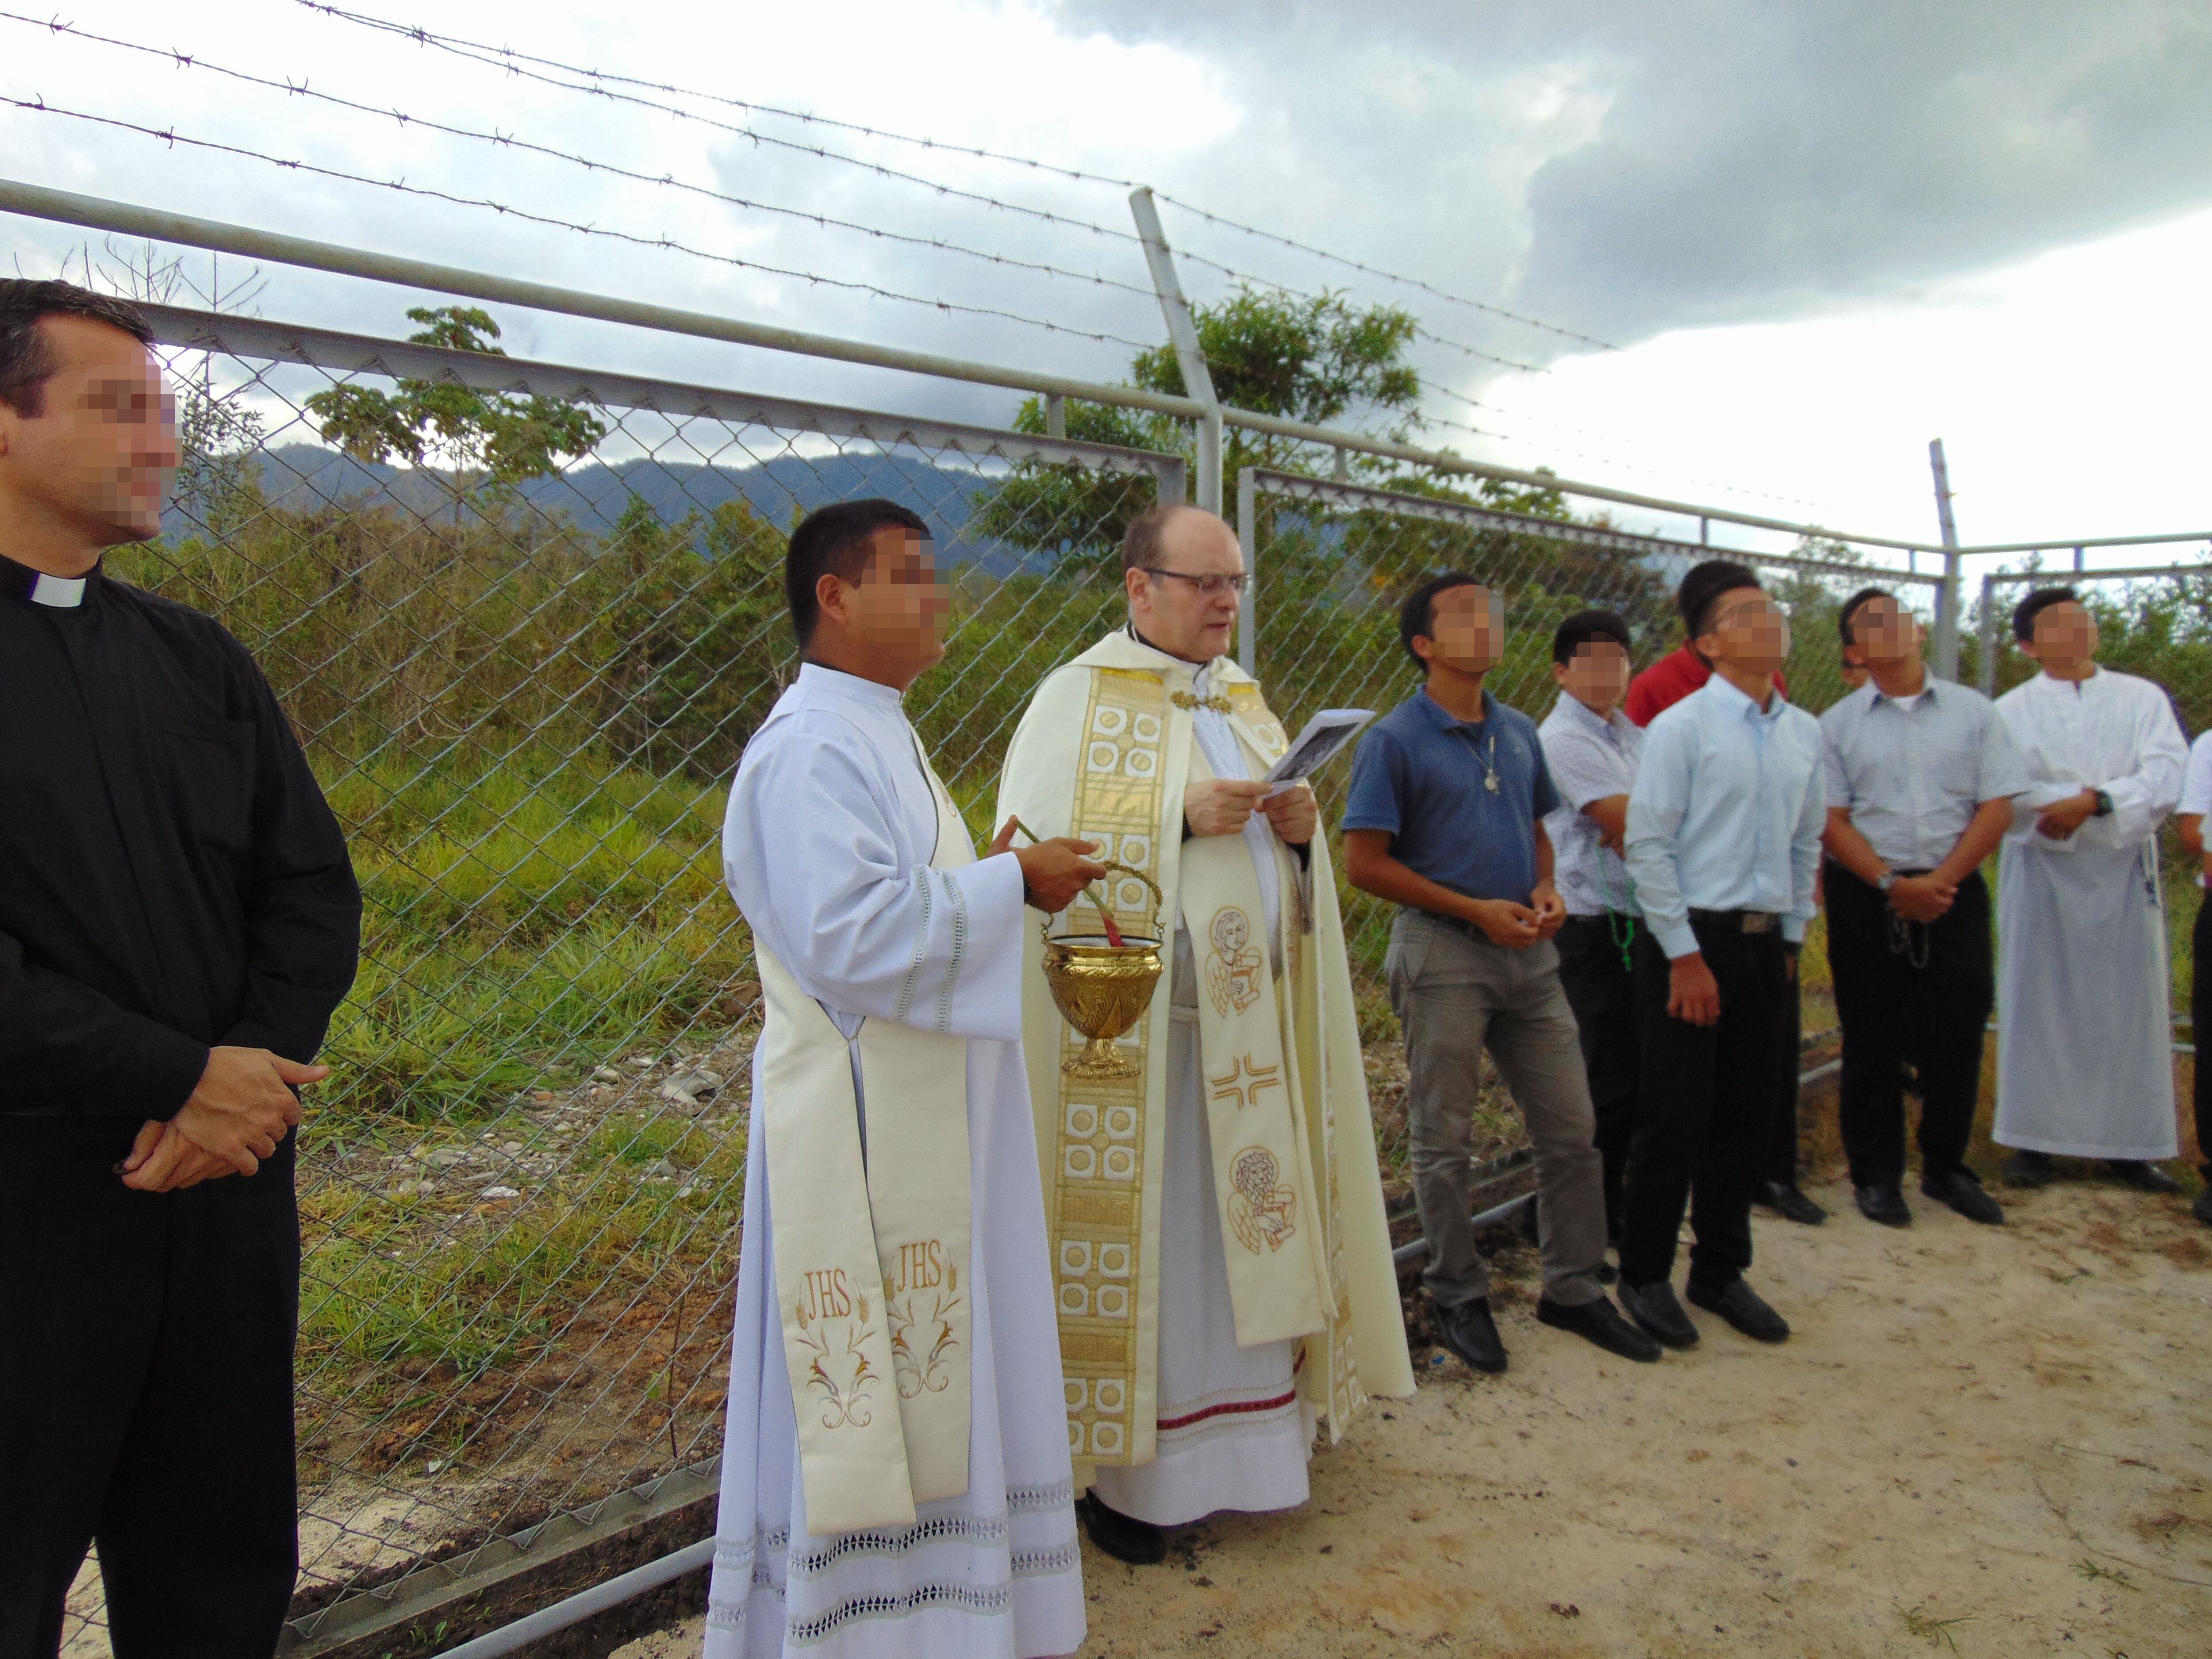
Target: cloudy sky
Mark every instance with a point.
(1813, 235)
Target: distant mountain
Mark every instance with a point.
(307, 477)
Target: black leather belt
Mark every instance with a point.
(1737, 922)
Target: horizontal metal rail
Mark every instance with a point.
(2062, 578)
(2066, 544)
(337, 353)
(1365, 497)
(183, 229)
(186, 230)
(96, 213)
(507, 1639)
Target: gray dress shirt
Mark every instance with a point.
(1913, 777)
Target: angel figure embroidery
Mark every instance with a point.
(1233, 968)
(1260, 1208)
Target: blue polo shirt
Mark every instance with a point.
(1417, 775)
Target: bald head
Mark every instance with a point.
(1183, 569)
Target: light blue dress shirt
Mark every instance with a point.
(1726, 813)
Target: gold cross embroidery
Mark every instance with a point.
(1217, 703)
(1244, 1082)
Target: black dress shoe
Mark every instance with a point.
(1599, 1322)
(1738, 1304)
(1794, 1206)
(1654, 1308)
(1884, 1203)
(1963, 1192)
(2202, 1209)
(1124, 1537)
(1469, 1331)
(2026, 1169)
(2142, 1176)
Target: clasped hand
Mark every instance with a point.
(242, 1106)
(2061, 819)
(1922, 898)
(1517, 927)
(1053, 871)
(1221, 806)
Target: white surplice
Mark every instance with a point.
(2084, 1065)
(826, 849)
(1233, 1433)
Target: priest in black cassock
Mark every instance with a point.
(178, 921)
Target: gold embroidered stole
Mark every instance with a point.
(871, 1245)
(1103, 1181)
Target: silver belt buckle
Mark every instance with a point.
(1759, 921)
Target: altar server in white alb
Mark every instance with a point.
(1219, 1255)
(2084, 1064)
(895, 1477)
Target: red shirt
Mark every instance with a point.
(1669, 680)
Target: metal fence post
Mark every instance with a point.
(1989, 635)
(1248, 611)
(1055, 416)
(1197, 379)
(1946, 604)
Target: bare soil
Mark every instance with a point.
(1980, 1440)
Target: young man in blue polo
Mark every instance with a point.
(1444, 818)
(1723, 841)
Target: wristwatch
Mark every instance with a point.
(1888, 880)
(2104, 805)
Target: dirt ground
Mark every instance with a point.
(1980, 1441)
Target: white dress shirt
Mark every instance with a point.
(1589, 759)
(1727, 813)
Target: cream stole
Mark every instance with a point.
(1272, 1229)
(871, 1247)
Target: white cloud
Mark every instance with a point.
(2068, 389)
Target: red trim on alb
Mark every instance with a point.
(1233, 1407)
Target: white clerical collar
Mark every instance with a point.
(20, 582)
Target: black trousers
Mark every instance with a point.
(145, 1396)
(1933, 1009)
(1601, 988)
(1778, 1156)
(1705, 1108)
(2200, 1015)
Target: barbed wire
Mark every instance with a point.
(170, 136)
(191, 60)
(598, 83)
(1212, 218)
(509, 140)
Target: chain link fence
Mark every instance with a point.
(525, 686)
(1334, 560)
(523, 617)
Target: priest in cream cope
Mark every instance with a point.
(896, 1477)
(1219, 1259)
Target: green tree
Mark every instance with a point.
(1313, 360)
(491, 441)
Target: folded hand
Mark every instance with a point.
(244, 1104)
(164, 1159)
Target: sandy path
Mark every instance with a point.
(1988, 1441)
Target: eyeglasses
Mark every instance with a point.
(1212, 587)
